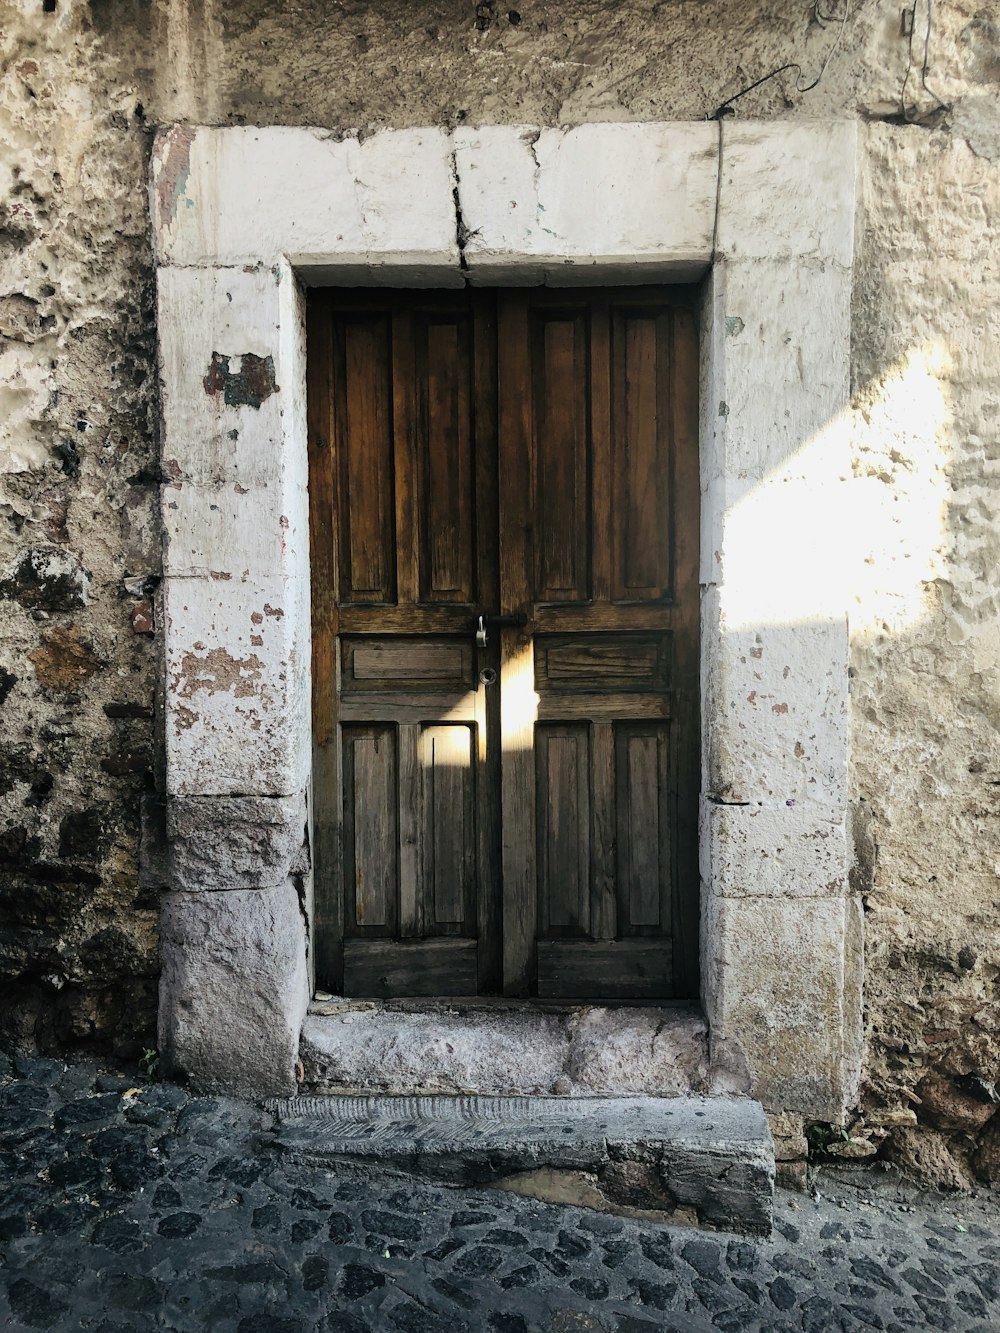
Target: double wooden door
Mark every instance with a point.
(504, 522)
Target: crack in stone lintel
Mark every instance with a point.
(462, 233)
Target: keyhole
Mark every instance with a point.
(487, 676)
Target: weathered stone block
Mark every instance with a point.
(154, 867)
(444, 1048)
(527, 201)
(237, 696)
(765, 312)
(637, 1050)
(787, 190)
(235, 842)
(776, 1002)
(231, 423)
(712, 1156)
(775, 709)
(773, 852)
(234, 530)
(954, 1103)
(233, 988)
(249, 195)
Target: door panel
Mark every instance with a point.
(560, 480)
(532, 455)
(599, 874)
(364, 446)
(562, 787)
(642, 790)
(371, 832)
(640, 462)
(406, 845)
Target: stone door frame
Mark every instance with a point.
(242, 218)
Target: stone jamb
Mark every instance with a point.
(241, 218)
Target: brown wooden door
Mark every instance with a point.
(402, 452)
(599, 501)
(519, 817)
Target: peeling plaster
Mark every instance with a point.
(244, 381)
(218, 672)
(172, 177)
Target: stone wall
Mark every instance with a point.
(84, 86)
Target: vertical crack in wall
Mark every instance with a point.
(530, 139)
(718, 193)
(462, 232)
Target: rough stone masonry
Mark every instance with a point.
(83, 87)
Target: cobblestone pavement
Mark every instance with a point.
(156, 1210)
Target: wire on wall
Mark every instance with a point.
(726, 108)
(911, 115)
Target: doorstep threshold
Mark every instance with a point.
(505, 1048)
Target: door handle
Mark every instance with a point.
(517, 620)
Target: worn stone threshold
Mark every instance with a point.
(701, 1159)
(503, 1048)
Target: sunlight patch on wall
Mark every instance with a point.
(817, 539)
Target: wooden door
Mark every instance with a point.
(530, 457)
(402, 398)
(599, 501)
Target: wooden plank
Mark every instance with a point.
(552, 707)
(562, 788)
(371, 831)
(636, 969)
(365, 450)
(653, 297)
(380, 969)
(686, 733)
(560, 449)
(328, 916)
(602, 487)
(406, 620)
(602, 617)
(640, 445)
(411, 801)
(520, 896)
(604, 866)
(449, 834)
(417, 707)
(328, 883)
(641, 798)
(404, 446)
(444, 451)
(487, 534)
(406, 663)
(586, 662)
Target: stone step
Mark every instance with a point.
(503, 1048)
(704, 1159)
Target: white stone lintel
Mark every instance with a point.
(244, 195)
(591, 204)
(788, 190)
